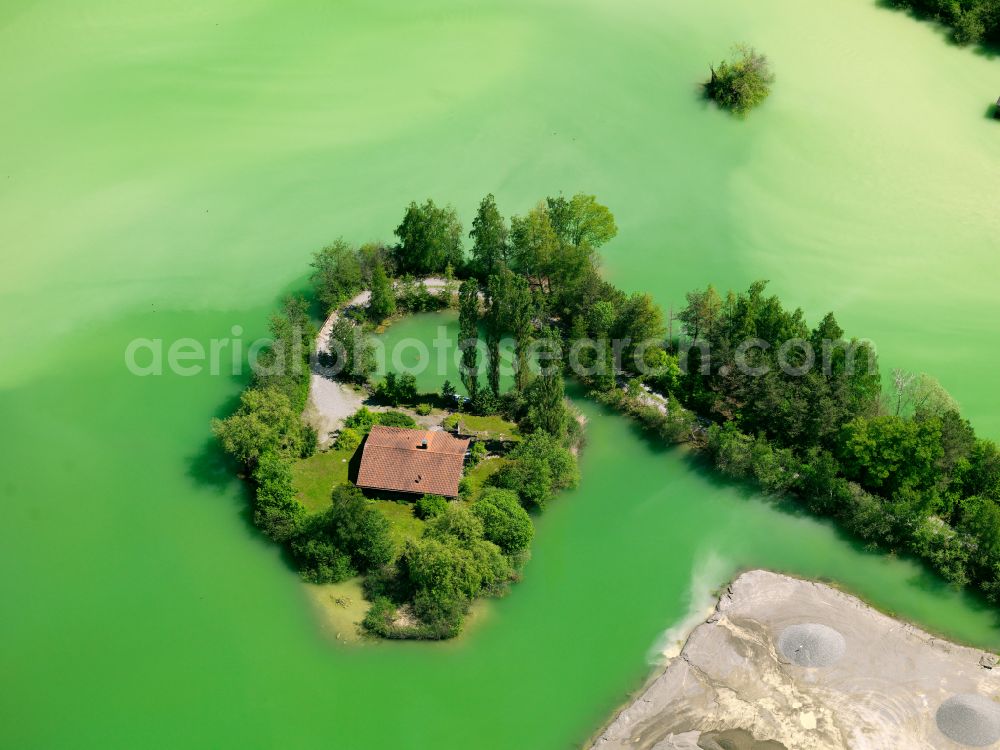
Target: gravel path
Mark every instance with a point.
(330, 401)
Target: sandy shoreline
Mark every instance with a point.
(783, 662)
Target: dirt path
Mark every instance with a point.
(331, 401)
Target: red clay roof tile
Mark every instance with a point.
(393, 459)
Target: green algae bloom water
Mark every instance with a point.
(166, 171)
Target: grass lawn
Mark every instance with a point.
(403, 524)
(478, 475)
(494, 425)
(315, 477)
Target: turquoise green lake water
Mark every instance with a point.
(166, 171)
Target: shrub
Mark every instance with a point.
(321, 561)
(484, 403)
(358, 528)
(362, 420)
(465, 488)
(264, 422)
(741, 84)
(477, 452)
(352, 351)
(397, 389)
(349, 537)
(395, 419)
(347, 439)
(414, 296)
(430, 506)
(423, 409)
(310, 441)
(505, 522)
(537, 468)
(279, 523)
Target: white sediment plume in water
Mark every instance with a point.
(710, 572)
(811, 645)
(970, 719)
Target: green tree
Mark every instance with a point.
(702, 312)
(741, 84)
(276, 511)
(599, 325)
(920, 395)
(352, 351)
(430, 238)
(373, 254)
(489, 240)
(520, 317)
(468, 335)
(358, 528)
(546, 398)
(383, 300)
(534, 246)
(581, 220)
(336, 274)
(320, 560)
(505, 522)
(887, 454)
(284, 365)
(495, 321)
(536, 469)
(456, 522)
(430, 506)
(264, 422)
(397, 389)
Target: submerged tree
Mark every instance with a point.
(741, 84)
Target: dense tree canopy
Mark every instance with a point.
(351, 536)
(265, 422)
(505, 521)
(971, 21)
(352, 351)
(538, 468)
(451, 565)
(336, 274)
(430, 239)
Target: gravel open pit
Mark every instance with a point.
(811, 645)
(738, 683)
(970, 719)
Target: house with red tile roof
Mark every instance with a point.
(417, 462)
